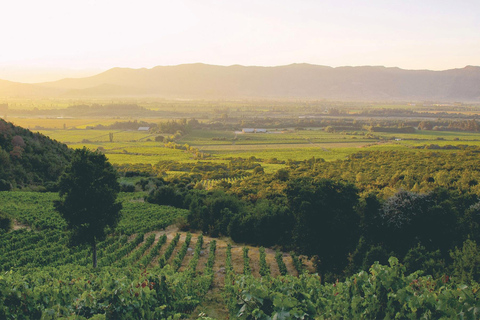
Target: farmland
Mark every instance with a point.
(327, 217)
(37, 256)
(137, 147)
(147, 271)
(295, 131)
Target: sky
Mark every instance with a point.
(52, 39)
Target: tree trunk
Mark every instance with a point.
(94, 245)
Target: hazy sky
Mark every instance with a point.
(48, 39)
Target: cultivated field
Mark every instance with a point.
(144, 246)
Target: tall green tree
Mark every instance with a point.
(327, 221)
(5, 222)
(88, 191)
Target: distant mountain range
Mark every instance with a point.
(295, 81)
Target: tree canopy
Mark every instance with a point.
(29, 159)
(5, 222)
(88, 191)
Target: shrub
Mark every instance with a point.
(6, 222)
(5, 185)
(466, 262)
(127, 187)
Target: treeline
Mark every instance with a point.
(125, 125)
(182, 126)
(331, 221)
(196, 171)
(404, 112)
(439, 125)
(348, 214)
(395, 126)
(29, 159)
(386, 172)
(340, 123)
(380, 172)
(93, 110)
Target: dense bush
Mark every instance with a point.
(385, 292)
(348, 214)
(127, 187)
(6, 222)
(166, 195)
(28, 158)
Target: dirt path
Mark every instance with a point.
(287, 259)
(189, 256)
(17, 225)
(213, 304)
(219, 266)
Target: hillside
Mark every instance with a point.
(150, 271)
(23, 90)
(299, 81)
(28, 158)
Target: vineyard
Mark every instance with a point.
(148, 276)
(343, 185)
(152, 271)
(144, 270)
(166, 274)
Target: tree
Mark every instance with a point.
(5, 222)
(466, 262)
(88, 191)
(410, 217)
(327, 222)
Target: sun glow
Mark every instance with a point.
(79, 36)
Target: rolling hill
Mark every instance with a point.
(297, 81)
(29, 159)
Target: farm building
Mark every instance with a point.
(143, 128)
(252, 130)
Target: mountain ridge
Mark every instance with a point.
(298, 80)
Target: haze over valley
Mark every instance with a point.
(298, 81)
(215, 160)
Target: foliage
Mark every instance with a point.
(29, 159)
(192, 265)
(166, 195)
(246, 262)
(88, 192)
(281, 265)
(386, 292)
(162, 261)
(6, 222)
(133, 257)
(228, 260)
(466, 262)
(264, 267)
(127, 187)
(139, 216)
(325, 213)
(117, 293)
(212, 212)
(145, 261)
(177, 262)
(32, 208)
(430, 262)
(420, 205)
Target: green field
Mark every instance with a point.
(60, 123)
(149, 270)
(134, 147)
(160, 274)
(145, 271)
(75, 136)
